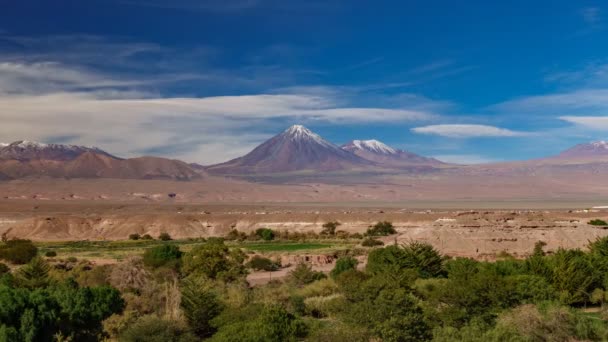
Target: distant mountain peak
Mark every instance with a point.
(601, 144)
(382, 154)
(295, 149)
(27, 150)
(591, 149)
(373, 145)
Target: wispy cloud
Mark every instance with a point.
(581, 101)
(589, 122)
(467, 131)
(591, 15)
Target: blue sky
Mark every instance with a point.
(206, 81)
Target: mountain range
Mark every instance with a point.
(31, 159)
(296, 151)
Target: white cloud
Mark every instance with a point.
(464, 159)
(45, 101)
(583, 100)
(467, 131)
(591, 122)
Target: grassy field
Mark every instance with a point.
(119, 250)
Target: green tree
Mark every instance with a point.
(214, 260)
(165, 237)
(163, 255)
(421, 257)
(265, 234)
(382, 228)
(4, 269)
(154, 329)
(303, 274)
(573, 275)
(344, 264)
(329, 228)
(260, 263)
(388, 311)
(274, 324)
(18, 251)
(200, 305)
(35, 274)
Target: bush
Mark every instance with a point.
(165, 237)
(371, 242)
(597, 222)
(303, 274)
(215, 260)
(134, 236)
(329, 228)
(147, 237)
(50, 254)
(260, 263)
(18, 251)
(200, 305)
(163, 255)
(4, 269)
(236, 235)
(155, 329)
(344, 264)
(35, 274)
(383, 228)
(265, 234)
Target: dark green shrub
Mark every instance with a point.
(134, 236)
(165, 237)
(214, 260)
(329, 228)
(18, 251)
(260, 263)
(344, 264)
(155, 329)
(234, 235)
(383, 228)
(265, 234)
(371, 242)
(598, 222)
(35, 274)
(147, 237)
(50, 254)
(420, 257)
(303, 274)
(356, 236)
(200, 305)
(4, 269)
(163, 255)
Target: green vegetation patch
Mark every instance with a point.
(284, 246)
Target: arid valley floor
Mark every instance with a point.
(474, 229)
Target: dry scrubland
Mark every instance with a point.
(472, 233)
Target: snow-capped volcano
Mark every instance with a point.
(297, 148)
(587, 150)
(30, 150)
(380, 153)
(373, 145)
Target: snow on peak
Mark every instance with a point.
(601, 144)
(299, 132)
(29, 144)
(3, 144)
(374, 145)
